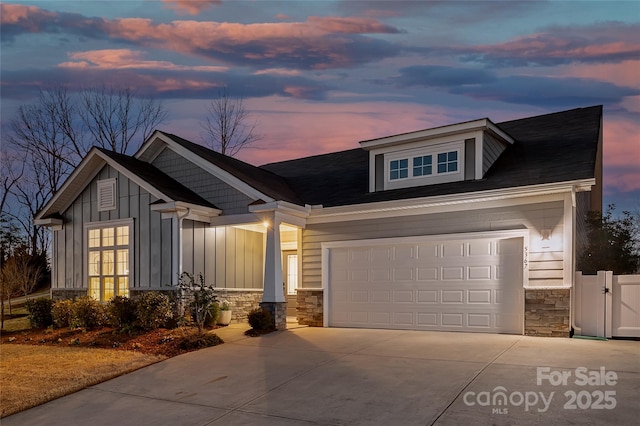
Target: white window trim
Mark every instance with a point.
(85, 244)
(434, 177)
(106, 185)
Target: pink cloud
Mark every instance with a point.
(278, 71)
(17, 13)
(625, 73)
(126, 59)
(191, 7)
(622, 153)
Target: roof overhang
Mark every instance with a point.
(283, 211)
(186, 210)
(449, 203)
(483, 124)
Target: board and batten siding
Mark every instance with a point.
(545, 263)
(151, 235)
(217, 192)
(226, 257)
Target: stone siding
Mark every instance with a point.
(278, 311)
(546, 312)
(67, 293)
(310, 308)
(242, 302)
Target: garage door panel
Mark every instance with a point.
(451, 285)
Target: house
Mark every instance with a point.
(471, 226)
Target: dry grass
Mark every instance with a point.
(24, 369)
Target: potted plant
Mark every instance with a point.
(225, 313)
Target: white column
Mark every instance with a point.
(273, 283)
(176, 248)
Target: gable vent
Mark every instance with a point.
(106, 194)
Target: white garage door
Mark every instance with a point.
(428, 284)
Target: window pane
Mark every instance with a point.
(94, 288)
(292, 273)
(404, 173)
(123, 286)
(426, 170)
(404, 163)
(453, 156)
(108, 289)
(107, 237)
(94, 238)
(453, 167)
(122, 235)
(442, 158)
(94, 263)
(394, 165)
(394, 175)
(417, 171)
(417, 161)
(426, 160)
(122, 262)
(107, 262)
(442, 168)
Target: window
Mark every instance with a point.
(399, 169)
(106, 194)
(422, 165)
(448, 162)
(108, 261)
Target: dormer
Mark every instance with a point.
(452, 153)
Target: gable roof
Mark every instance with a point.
(143, 174)
(549, 148)
(263, 180)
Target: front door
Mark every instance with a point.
(290, 275)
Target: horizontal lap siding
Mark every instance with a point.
(209, 187)
(133, 202)
(532, 216)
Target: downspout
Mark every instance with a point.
(177, 247)
(572, 296)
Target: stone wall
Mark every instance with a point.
(241, 301)
(310, 310)
(278, 311)
(67, 293)
(547, 312)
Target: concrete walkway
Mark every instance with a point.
(333, 376)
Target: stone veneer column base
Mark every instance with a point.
(547, 312)
(310, 310)
(242, 301)
(67, 293)
(278, 311)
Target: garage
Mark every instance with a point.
(470, 283)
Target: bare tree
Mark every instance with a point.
(227, 127)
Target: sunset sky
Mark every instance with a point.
(319, 76)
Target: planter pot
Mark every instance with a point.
(224, 318)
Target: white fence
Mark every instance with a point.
(606, 305)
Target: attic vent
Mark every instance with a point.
(106, 195)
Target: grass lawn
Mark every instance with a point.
(25, 368)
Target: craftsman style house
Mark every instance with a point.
(471, 226)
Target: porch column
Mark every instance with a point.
(273, 295)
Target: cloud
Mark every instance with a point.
(442, 76)
(317, 43)
(191, 7)
(608, 42)
(126, 59)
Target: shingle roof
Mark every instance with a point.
(158, 179)
(263, 180)
(548, 148)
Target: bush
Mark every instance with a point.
(122, 312)
(153, 309)
(212, 317)
(40, 312)
(201, 297)
(62, 313)
(261, 319)
(88, 313)
(199, 341)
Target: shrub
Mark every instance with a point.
(261, 319)
(122, 312)
(214, 311)
(201, 297)
(88, 313)
(199, 341)
(62, 313)
(40, 312)
(153, 309)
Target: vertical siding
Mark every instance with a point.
(149, 235)
(533, 216)
(492, 148)
(227, 257)
(212, 189)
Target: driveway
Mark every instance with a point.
(334, 376)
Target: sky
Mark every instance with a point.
(320, 76)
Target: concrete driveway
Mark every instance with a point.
(335, 376)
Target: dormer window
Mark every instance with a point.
(448, 162)
(399, 169)
(423, 165)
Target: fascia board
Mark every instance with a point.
(195, 209)
(447, 203)
(216, 171)
(425, 134)
(281, 207)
